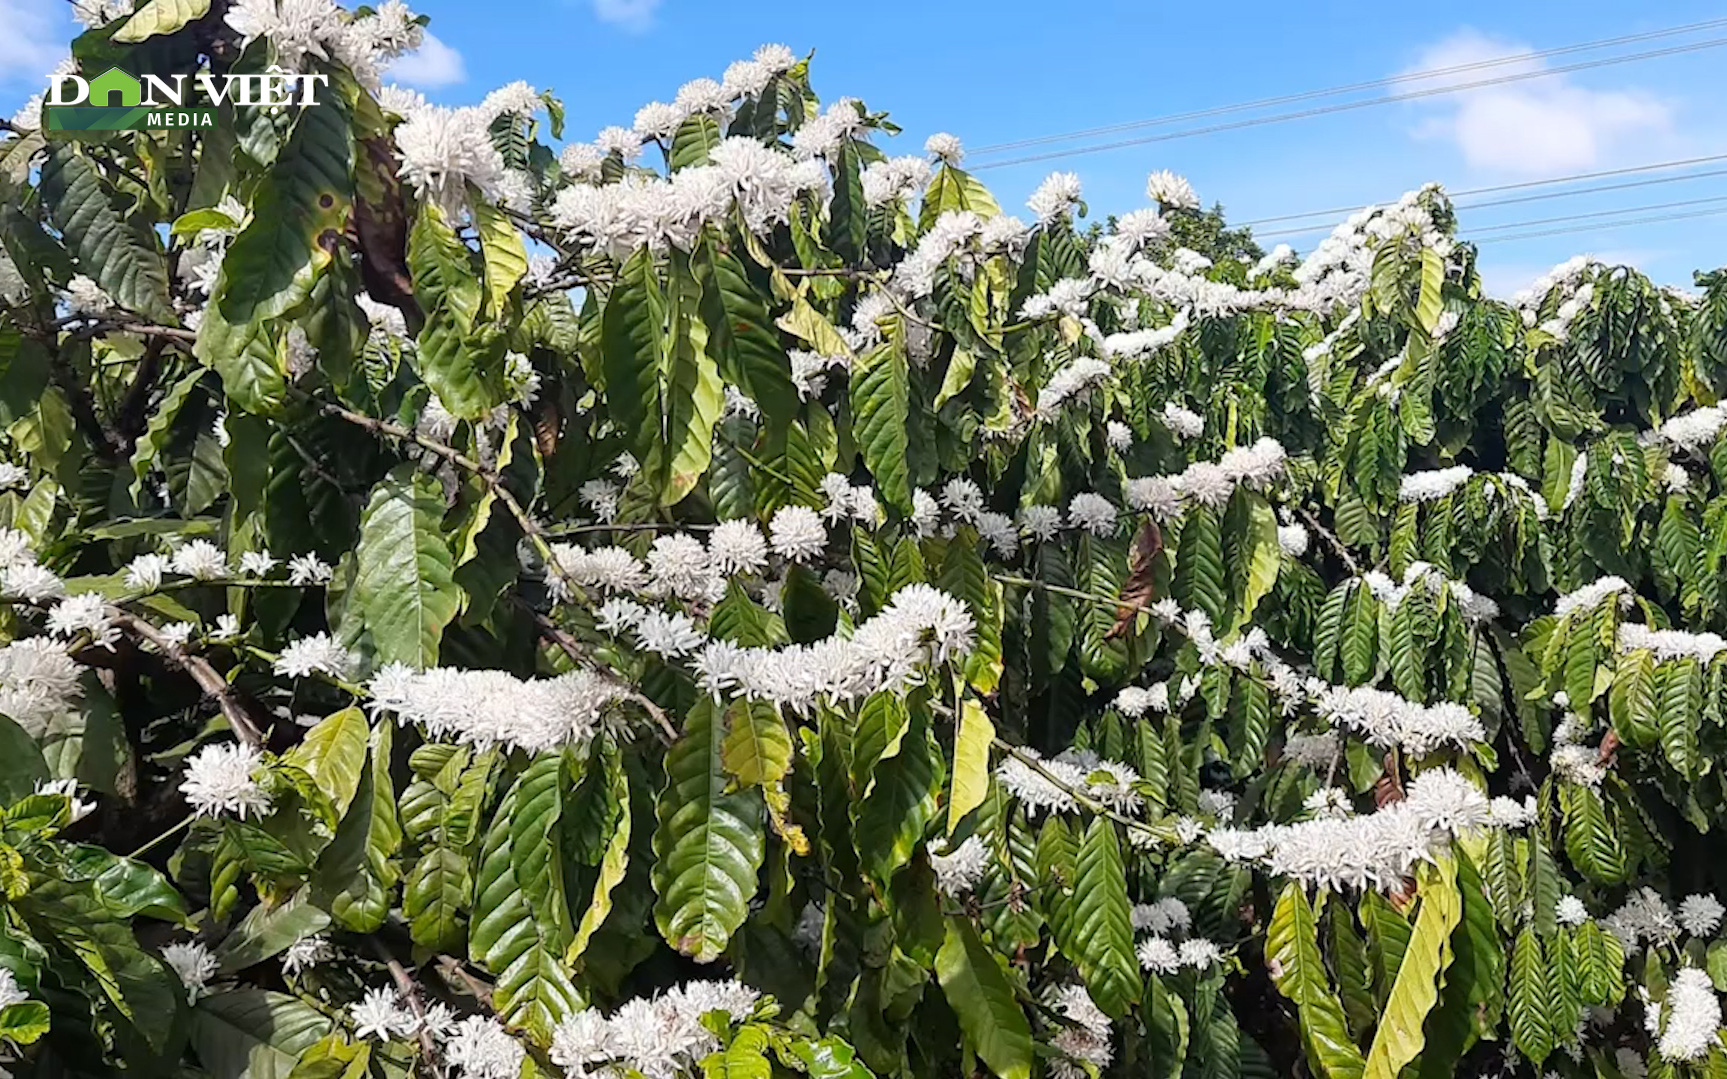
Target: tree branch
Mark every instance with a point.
(1330, 539)
(572, 648)
(212, 683)
(410, 991)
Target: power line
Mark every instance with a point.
(1308, 95)
(1494, 189)
(1347, 106)
(1520, 200)
(1604, 225)
(1598, 214)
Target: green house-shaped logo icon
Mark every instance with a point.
(115, 88)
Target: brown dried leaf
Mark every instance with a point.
(1139, 589)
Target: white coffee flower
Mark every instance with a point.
(219, 780)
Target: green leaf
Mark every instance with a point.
(708, 846)
(435, 897)
(512, 932)
(158, 17)
(1473, 988)
(695, 137)
(1261, 557)
(757, 749)
(880, 409)
(248, 357)
(268, 930)
(533, 849)
(120, 252)
(125, 888)
(253, 1034)
(501, 250)
(892, 812)
(1632, 702)
(24, 1022)
(1681, 689)
(404, 589)
(1298, 969)
(847, 213)
(955, 189)
(977, 989)
(1094, 924)
(1528, 998)
(356, 873)
(333, 753)
(463, 367)
(630, 330)
(24, 764)
(1399, 1038)
(1430, 304)
(693, 392)
(970, 762)
(298, 216)
(1199, 570)
(615, 860)
(159, 430)
(1592, 842)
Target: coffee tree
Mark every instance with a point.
(723, 600)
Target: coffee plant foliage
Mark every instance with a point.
(724, 601)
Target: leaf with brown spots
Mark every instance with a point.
(1139, 589)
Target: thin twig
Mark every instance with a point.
(1330, 539)
(488, 476)
(638, 526)
(1083, 798)
(212, 683)
(410, 991)
(572, 648)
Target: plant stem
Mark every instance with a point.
(190, 817)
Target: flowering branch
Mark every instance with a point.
(1077, 794)
(552, 632)
(410, 992)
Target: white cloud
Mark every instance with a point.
(632, 15)
(1536, 126)
(432, 65)
(32, 42)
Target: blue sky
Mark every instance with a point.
(1002, 70)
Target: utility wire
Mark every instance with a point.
(1309, 95)
(1272, 234)
(1510, 225)
(1604, 225)
(1521, 185)
(1346, 106)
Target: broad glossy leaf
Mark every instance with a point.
(1292, 946)
(977, 989)
(333, 753)
(1094, 924)
(118, 250)
(880, 414)
(630, 335)
(405, 590)
(157, 17)
(709, 843)
(971, 772)
(1399, 1038)
(254, 1034)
